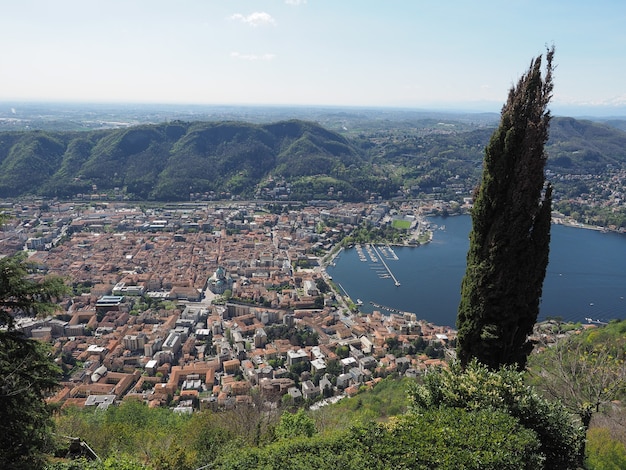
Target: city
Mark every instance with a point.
(196, 305)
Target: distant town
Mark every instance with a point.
(197, 305)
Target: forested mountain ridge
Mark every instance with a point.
(585, 146)
(168, 161)
(291, 159)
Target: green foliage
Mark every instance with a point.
(295, 424)
(478, 388)
(594, 215)
(305, 188)
(299, 367)
(604, 452)
(510, 237)
(585, 371)
(491, 432)
(342, 351)
(297, 336)
(27, 374)
(158, 438)
(318, 302)
(76, 464)
(386, 399)
(299, 453)
(210, 438)
(578, 146)
(450, 439)
(22, 295)
(119, 462)
(369, 234)
(35, 157)
(130, 429)
(321, 285)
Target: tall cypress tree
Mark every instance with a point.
(510, 237)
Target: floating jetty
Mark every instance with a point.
(393, 253)
(371, 250)
(344, 291)
(387, 252)
(396, 282)
(376, 255)
(390, 309)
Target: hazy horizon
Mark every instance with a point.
(12, 108)
(411, 54)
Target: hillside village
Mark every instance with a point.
(197, 305)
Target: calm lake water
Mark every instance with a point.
(586, 276)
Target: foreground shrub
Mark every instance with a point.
(438, 439)
(604, 452)
(478, 388)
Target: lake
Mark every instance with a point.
(586, 275)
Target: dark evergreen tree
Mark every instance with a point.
(27, 372)
(510, 237)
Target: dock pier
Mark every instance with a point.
(396, 282)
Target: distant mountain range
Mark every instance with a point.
(291, 159)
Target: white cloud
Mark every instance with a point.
(614, 101)
(252, 57)
(295, 2)
(619, 100)
(258, 18)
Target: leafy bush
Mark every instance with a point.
(438, 439)
(295, 424)
(386, 399)
(478, 388)
(131, 428)
(604, 452)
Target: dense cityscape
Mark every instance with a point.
(197, 304)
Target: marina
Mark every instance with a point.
(585, 278)
(396, 282)
(391, 309)
(377, 256)
(359, 250)
(388, 252)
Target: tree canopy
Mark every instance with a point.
(21, 294)
(510, 237)
(27, 371)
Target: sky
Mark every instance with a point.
(435, 54)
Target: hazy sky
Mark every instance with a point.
(407, 53)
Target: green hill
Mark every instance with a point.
(170, 161)
(294, 159)
(585, 146)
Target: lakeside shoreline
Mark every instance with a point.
(572, 223)
(572, 290)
